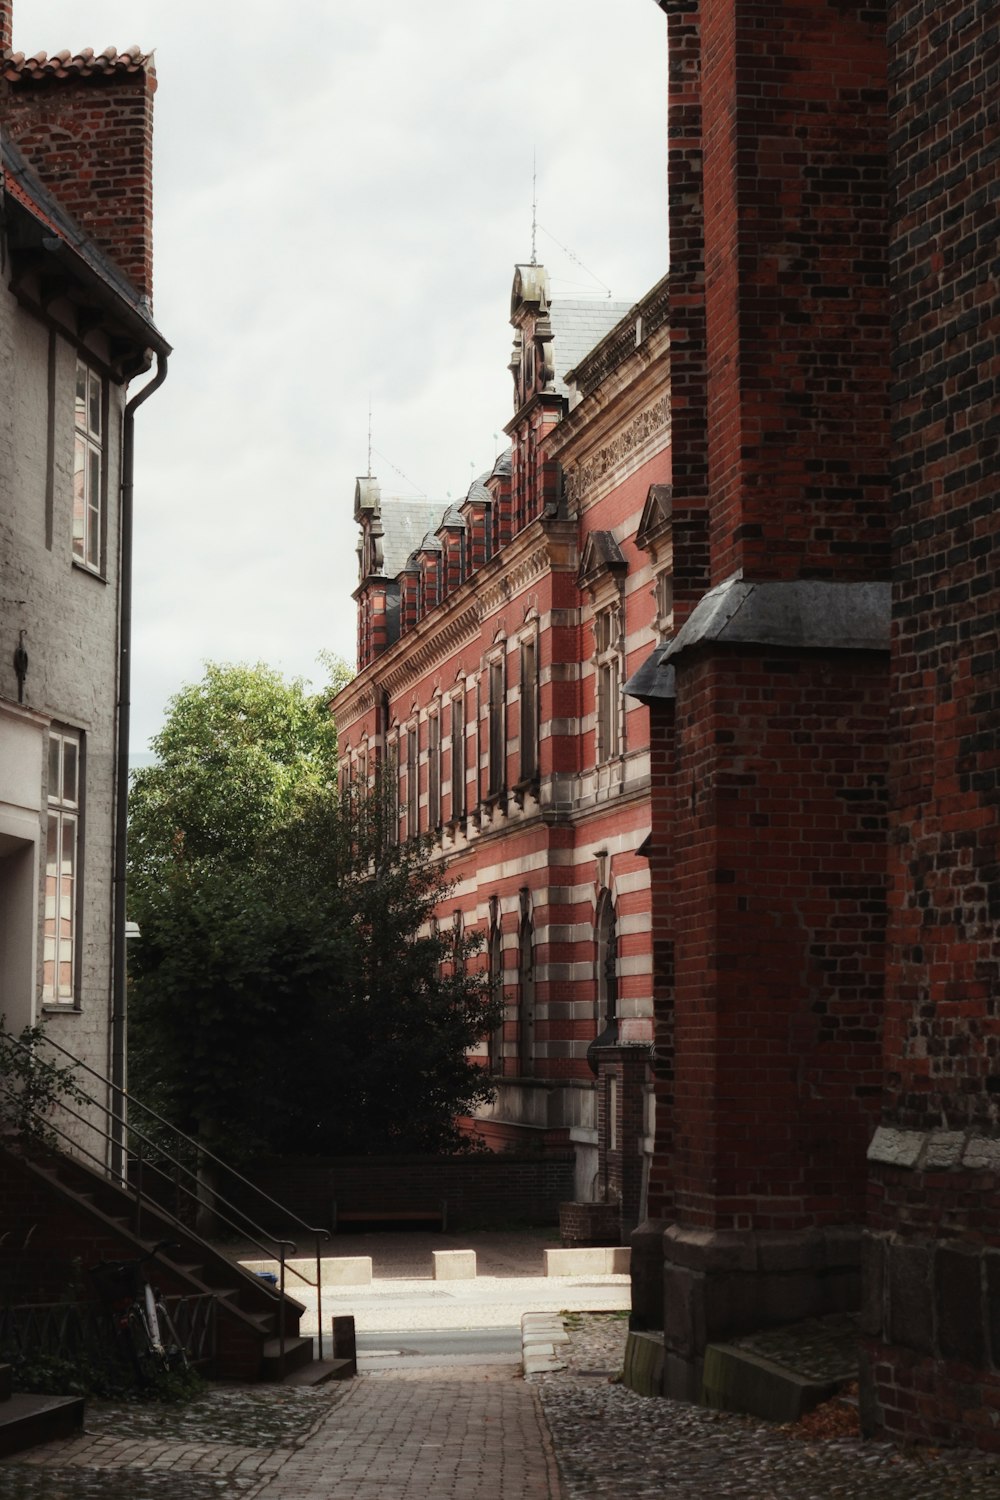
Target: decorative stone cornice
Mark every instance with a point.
(623, 452)
(438, 644)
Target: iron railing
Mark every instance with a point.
(82, 1331)
(153, 1171)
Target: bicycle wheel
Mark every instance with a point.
(148, 1363)
(174, 1351)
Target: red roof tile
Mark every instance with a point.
(85, 64)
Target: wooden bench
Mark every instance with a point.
(354, 1214)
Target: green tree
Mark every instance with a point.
(289, 991)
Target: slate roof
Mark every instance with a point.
(405, 523)
(577, 327)
(83, 64)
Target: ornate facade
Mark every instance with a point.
(494, 639)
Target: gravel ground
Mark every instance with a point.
(615, 1445)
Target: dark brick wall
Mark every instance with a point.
(794, 132)
(480, 1190)
(779, 912)
(90, 140)
(944, 968)
(932, 1350)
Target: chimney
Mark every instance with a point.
(86, 129)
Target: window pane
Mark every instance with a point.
(55, 766)
(94, 510)
(70, 761)
(81, 396)
(95, 405)
(79, 494)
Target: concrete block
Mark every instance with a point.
(644, 1362)
(908, 1268)
(593, 1260)
(735, 1379)
(454, 1265)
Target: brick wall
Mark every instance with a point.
(795, 275)
(90, 140)
(933, 1349)
(779, 911)
(480, 1190)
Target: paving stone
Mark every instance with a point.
(474, 1434)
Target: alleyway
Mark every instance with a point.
(472, 1433)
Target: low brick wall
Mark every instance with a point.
(482, 1191)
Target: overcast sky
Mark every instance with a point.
(343, 188)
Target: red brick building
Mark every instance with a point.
(825, 718)
(493, 640)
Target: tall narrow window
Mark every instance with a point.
(88, 467)
(498, 733)
(458, 756)
(496, 988)
(526, 997)
(529, 709)
(389, 790)
(412, 785)
(607, 665)
(434, 772)
(60, 953)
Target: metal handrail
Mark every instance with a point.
(190, 1140)
(114, 1117)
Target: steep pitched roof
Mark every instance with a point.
(577, 327)
(405, 523)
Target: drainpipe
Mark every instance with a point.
(118, 969)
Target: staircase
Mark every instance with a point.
(80, 1210)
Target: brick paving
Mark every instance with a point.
(473, 1433)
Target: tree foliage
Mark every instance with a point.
(289, 991)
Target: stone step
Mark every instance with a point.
(27, 1420)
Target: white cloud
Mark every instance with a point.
(340, 204)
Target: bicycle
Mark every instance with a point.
(143, 1326)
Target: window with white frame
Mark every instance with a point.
(88, 468)
(497, 728)
(663, 594)
(62, 873)
(434, 771)
(529, 708)
(608, 676)
(458, 756)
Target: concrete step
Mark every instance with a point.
(298, 1352)
(319, 1371)
(28, 1420)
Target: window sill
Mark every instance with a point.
(61, 1008)
(94, 573)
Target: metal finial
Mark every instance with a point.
(534, 206)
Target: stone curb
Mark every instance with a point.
(542, 1337)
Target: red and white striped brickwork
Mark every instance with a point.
(500, 705)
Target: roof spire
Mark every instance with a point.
(369, 434)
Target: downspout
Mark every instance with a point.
(119, 978)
